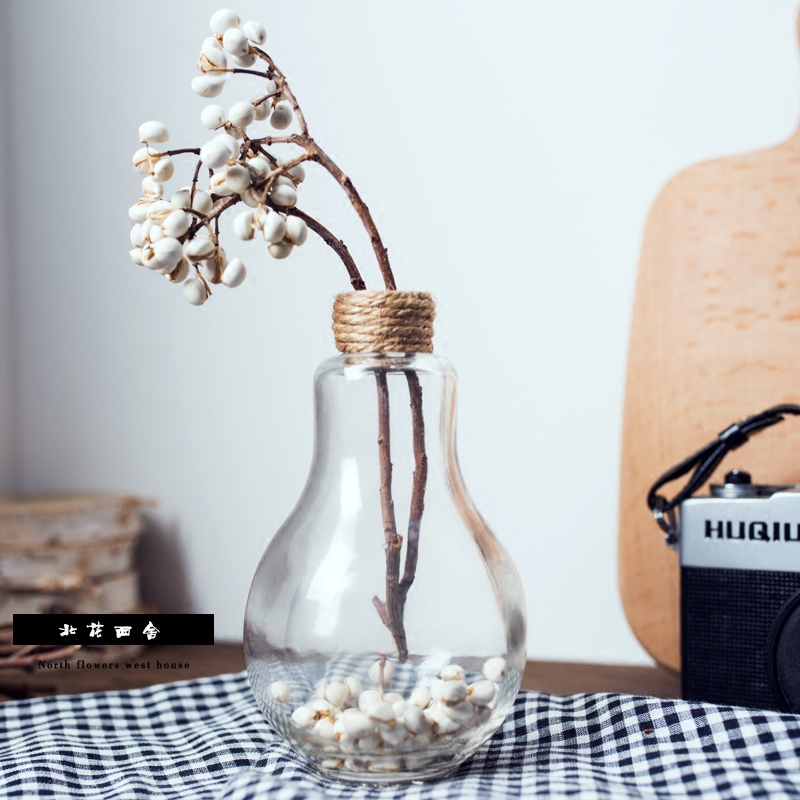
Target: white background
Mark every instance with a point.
(509, 151)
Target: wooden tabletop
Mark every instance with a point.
(164, 663)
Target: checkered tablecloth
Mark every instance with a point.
(207, 739)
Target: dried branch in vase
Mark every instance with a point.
(180, 236)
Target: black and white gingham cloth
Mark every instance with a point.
(206, 739)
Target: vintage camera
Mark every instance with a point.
(739, 553)
(740, 595)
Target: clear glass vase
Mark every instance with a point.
(385, 626)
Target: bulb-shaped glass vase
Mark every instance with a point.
(385, 626)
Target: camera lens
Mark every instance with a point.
(783, 656)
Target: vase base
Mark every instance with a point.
(381, 776)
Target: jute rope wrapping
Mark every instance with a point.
(384, 322)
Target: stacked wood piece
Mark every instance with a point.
(69, 554)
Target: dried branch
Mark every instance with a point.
(195, 150)
(316, 153)
(390, 610)
(337, 245)
(194, 181)
(418, 486)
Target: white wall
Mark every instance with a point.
(7, 273)
(509, 152)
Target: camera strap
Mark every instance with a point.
(704, 462)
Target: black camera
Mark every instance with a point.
(740, 568)
(740, 578)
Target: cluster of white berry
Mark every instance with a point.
(352, 721)
(171, 236)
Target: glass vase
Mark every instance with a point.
(385, 626)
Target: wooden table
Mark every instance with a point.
(159, 664)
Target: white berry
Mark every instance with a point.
(237, 177)
(273, 226)
(303, 716)
(177, 222)
(159, 210)
(169, 252)
(322, 706)
(247, 60)
(163, 169)
(235, 42)
(281, 116)
(199, 249)
(182, 198)
(369, 698)
(211, 269)
(283, 195)
(152, 190)
(194, 291)
(453, 672)
(241, 114)
(222, 20)
(420, 697)
(255, 32)
(251, 197)
(460, 712)
(296, 230)
(153, 131)
(353, 686)
(324, 730)
(281, 691)
(232, 276)
(494, 669)
(212, 57)
(213, 117)
(260, 164)
(388, 672)
(180, 273)
(442, 723)
(208, 85)
(415, 720)
(229, 142)
(262, 109)
(202, 202)
(336, 693)
(399, 707)
(141, 160)
(481, 693)
(453, 692)
(214, 154)
(356, 723)
(243, 225)
(381, 712)
(218, 185)
(298, 172)
(138, 212)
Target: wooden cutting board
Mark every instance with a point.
(715, 336)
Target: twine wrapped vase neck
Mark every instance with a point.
(384, 322)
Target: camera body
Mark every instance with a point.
(740, 607)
